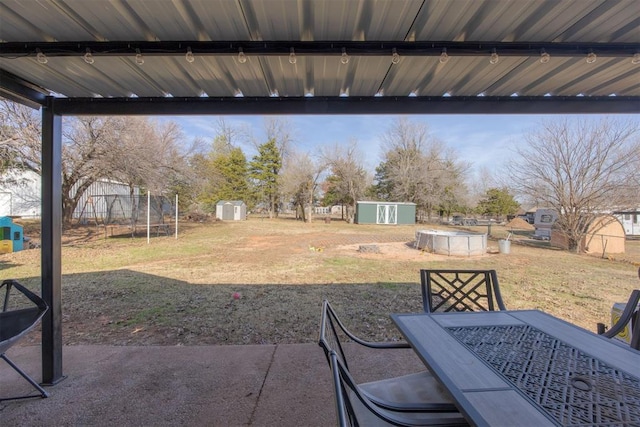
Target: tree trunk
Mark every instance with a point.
(350, 214)
(310, 204)
(67, 214)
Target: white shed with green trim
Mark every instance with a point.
(385, 213)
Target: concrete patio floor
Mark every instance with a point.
(247, 385)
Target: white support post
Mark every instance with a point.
(176, 216)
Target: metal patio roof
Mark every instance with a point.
(259, 56)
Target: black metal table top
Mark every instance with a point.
(574, 388)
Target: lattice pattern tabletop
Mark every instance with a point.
(573, 387)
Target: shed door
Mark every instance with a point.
(387, 214)
(227, 211)
(237, 213)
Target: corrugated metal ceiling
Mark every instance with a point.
(545, 21)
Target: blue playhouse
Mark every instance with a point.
(11, 236)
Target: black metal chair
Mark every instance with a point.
(414, 392)
(16, 321)
(354, 408)
(630, 317)
(460, 290)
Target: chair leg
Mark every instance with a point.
(37, 386)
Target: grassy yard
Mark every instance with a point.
(120, 290)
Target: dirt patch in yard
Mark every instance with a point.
(404, 251)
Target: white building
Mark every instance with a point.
(630, 220)
(20, 196)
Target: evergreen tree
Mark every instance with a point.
(383, 187)
(264, 171)
(226, 177)
(332, 195)
(498, 201)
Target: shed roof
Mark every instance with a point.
(368, 202)
(232, 202)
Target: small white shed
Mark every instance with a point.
(231, 210)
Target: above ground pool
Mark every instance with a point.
(451, 242)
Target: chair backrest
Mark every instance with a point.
(17, 320)
(354, 408)
(460, 290)
(333, 334)
(630, 317)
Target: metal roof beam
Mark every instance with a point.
(347, 105)
(315, 48)
(18, 90)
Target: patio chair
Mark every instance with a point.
(460, 290)
(15, 322)
(630, 316)
(354, 408)
(414, 392)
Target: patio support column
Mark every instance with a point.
(51, 244)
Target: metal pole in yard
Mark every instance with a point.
(176, 216)
(148, 217)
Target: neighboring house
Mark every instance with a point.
(231, 210)
(337, 210)
(385, 213)
(630, 220)
(20, 194)
(322, 210)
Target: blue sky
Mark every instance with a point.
(482, 140)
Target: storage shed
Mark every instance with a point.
(385, 213)
(231, 210)
(11, 236)
(605, 235)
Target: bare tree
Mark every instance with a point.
(482, 181)
(283, 132)
(154, 153)
(88, 141)
(20, 137)
(348, 179)
(229, 134)
(133, 150)
(581, 168)
(419, 168)
(300, 178)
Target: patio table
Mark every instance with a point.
(527, 368)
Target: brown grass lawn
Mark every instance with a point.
(123, 291)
